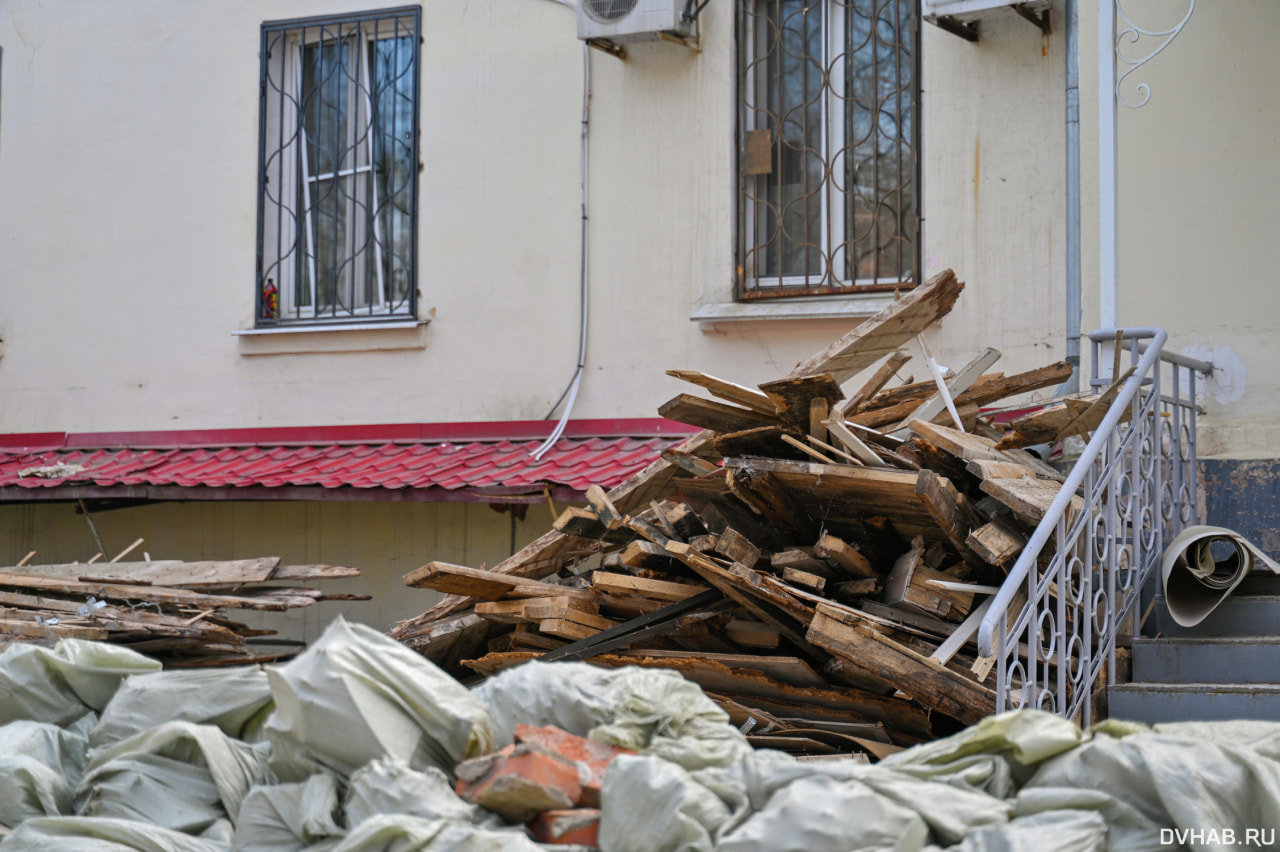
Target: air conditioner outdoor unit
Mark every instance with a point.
(626, 21)
(968, 11)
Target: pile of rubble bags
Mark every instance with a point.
(359, 744)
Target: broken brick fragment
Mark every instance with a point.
(520, 781)
(579, 826)
(591, 756)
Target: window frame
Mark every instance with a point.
(835, 235)
(286, 157)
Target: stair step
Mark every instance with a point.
(1238, 615)
(1259, 583)
(1188, 702)
(1220, 659)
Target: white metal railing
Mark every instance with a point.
(1137, 477)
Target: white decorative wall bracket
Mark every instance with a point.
(1133, 36)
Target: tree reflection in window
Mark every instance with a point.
(339, 182)
(832, 84)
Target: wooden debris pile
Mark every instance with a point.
(172, 610)
(818, 564)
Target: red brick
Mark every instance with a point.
(592, 757)
(581, 826)
(520, 781)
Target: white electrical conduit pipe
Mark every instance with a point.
(572, 390)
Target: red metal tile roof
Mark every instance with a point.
(494, 469)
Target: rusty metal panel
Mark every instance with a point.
(757, 152)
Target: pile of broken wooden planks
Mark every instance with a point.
(169, 609)
(818, 564)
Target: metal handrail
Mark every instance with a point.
(1114, 482)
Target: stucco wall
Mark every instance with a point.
(128, 155)
(1199, 205)
(994, 190)
(127, 217)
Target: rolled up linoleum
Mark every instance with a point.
(1195, 582)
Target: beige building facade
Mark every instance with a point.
(133, 147)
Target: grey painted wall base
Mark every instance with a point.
(1228, 665)
(1244, 495)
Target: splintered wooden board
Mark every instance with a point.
(516, 611)
(731, 391)
(659, 590)
(951, 511)
(654, 482)
(967, 446)
(789, 670)
(708, 414)
(718, 677)
(928, 681)
(168, 572)
(482, 585)
(878, 336)
(791, 715)
(799, 744)
(569, 614)
(845, 555)
(1029, 497)
(542, 557)
(765, 441)
(895, 404)
(29, 627)
(792, 396)
(566, 629)
(844, 495)
(453, 638)
(275, 599)
(753, 634)
(497, 661)
(996, 543)
(1068, 417)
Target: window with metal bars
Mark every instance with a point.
(829, 146)
(338, 176)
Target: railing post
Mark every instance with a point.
(1122, 527)
(1061, 640)
(1002, 687)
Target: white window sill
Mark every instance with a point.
(855, 306)
(345, 326)
(338, 337)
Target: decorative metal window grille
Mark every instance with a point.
(829, 142)
(338, 176)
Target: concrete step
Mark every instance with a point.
(1187, 702)
(1238, 615)
(1259, 583)
(1221, 659)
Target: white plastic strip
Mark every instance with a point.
(936, 371)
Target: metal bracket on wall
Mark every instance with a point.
(1133, 34)
(966, 31)
(1040, 21)
(608, 47)
(694, 43)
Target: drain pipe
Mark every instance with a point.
(1072, 33)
